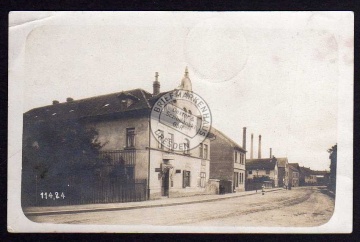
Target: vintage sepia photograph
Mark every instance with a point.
(233, 122)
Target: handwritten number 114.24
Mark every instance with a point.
(45, 195)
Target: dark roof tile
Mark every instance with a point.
(90, 107)
(261, 164)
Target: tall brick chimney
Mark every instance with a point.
(270, 152)
(252, 146)
(156, 85)
(259, 151)
(244, 138)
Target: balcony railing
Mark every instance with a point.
(124, 157)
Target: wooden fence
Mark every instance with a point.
(83, 190)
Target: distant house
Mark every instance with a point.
(306, 177)
(283, 165)
(262, 171)
(322, 177)
(227, 162)
(294, 174)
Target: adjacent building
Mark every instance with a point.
(263, 170)
(227, 161)
(294, 174)
(322, 177)
(283, 165)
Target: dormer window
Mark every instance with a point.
(106, 105)
(127, 99)
(125, 103)
(53, 114)
(71, 111)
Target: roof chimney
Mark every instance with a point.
(69, 99)
(156, 85)
(252, 146)
(55, 102)
(270, 152)
(244, 138)
(259, 151)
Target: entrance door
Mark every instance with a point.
(165, 183)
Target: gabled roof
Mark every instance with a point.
(90, 107)
(261, 164)
(218, 133)
(282, 161)
(306, 171)
(296, 165)
(293, 168)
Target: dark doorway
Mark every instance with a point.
(165, 183)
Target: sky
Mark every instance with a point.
(276, 73)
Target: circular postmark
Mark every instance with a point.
(180, 120)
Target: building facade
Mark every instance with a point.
(227, 161)
(294, 174)
(283, 165)
(262, 170)
(122, 122)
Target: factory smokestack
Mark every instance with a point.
(259, 151)
(252, 146)
(270, 152)
(244, 138)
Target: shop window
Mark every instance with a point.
(267, 172)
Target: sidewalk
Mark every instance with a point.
(38, 211)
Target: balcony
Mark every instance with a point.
(124, 157)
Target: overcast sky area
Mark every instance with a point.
(275, 73)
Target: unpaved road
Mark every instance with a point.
(296, 207)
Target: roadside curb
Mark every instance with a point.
(329, 193)
(141, 206)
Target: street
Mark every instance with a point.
(305, 206)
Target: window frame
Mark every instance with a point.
(187, 146)
(202, 179)
(161, 138)
(171, 140)
(186, 178)
(130, 138)
(205, 153)
(236, 179)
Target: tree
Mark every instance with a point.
(56, 154)
(333, 164)
(61, 148)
